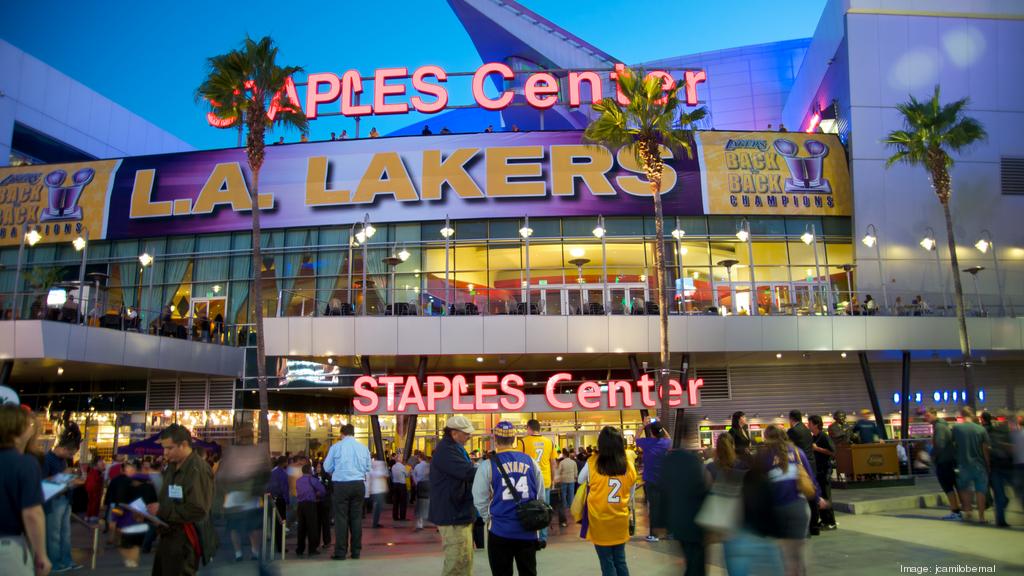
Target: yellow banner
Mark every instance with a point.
(60, 201)
(774, 173)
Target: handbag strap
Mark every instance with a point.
(508, 481)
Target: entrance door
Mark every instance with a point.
(205, 311)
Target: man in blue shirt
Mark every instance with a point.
(865, 431)
(348, 463)
(507, 540)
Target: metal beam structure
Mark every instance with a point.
(869, 381)
(412, 419)
(378, 439)
(905, 397)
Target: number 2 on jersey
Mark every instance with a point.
(614, 485)
(522, 486)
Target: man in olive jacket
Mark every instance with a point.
(451, 496)
(184, 504)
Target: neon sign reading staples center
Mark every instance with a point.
(540, 89)
(494, 393)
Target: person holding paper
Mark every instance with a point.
(132, 493)
(58, 507)
(184, 504)
(22, 523)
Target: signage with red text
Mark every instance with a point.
(506, 393)
(390, 95)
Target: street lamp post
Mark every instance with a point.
(363, 237)
(579, 262)
(599, 231)
(32, 237)
(146, 260)
(81, 244)
(746, 239)
(871, 241)
(525, 232)
(984, 244)
(929, 244)
(810, 238)
(678, 233)
(447, 232)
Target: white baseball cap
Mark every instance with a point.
(460, 423)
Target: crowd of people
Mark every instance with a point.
(761, 498)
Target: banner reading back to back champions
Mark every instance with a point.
(409, 179)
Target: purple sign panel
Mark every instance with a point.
(393, 180)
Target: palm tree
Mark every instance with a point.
(931, 132)
(245, 84)
(652, 119)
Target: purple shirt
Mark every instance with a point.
(278, 483)
(653, 455)
(309, 489)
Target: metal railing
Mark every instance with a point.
(272, 523)
(777, 299)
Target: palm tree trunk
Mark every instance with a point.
(653, 167)
(256, 295)
(965, 344)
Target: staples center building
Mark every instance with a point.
(509, 274)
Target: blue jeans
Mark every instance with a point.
(746, 554)
(378, 505)
(612, 559)
(1000, 479)
(58, 533)
(547, 500)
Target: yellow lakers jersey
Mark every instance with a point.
(608, 505)
(541, 449)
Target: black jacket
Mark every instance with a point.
(741, 439)
(823, 462)
(451, 485)
(683, 476)
(800, 436)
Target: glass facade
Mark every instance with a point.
(483, 267)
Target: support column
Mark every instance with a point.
(5, 372)
(679, 417)
(905, 397)
(869, 381)
(410, 426)
(634, 367)
(378, 440)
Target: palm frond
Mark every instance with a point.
(931, 129)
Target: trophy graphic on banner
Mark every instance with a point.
(805, 172)
(64, 199)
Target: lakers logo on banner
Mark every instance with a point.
(57, 200)
(774, 173)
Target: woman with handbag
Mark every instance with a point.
(792, 481)
(608, 480)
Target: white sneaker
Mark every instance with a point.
(653, 538)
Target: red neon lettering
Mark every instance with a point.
(459, 388)
(692, 78)
(620, 386)
(693, 389)
(511, 385)
(478, 86)
(619, 96)
(351, 87)
(433, 394)
(292, 104)
(366, 400)
(216, 121)
(391, 382)
(541, 90)
(813, 125)
(592, 80)
(645, 384)
(314, 97)
(550, 391)
(411, 395)
(381, 90)
(483, 384)
(424, 87)
(667, 83)
(675, 393)
(588, 395)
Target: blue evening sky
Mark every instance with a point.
(149, 56)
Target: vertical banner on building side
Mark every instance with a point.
(774, 173)
(61, 201)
